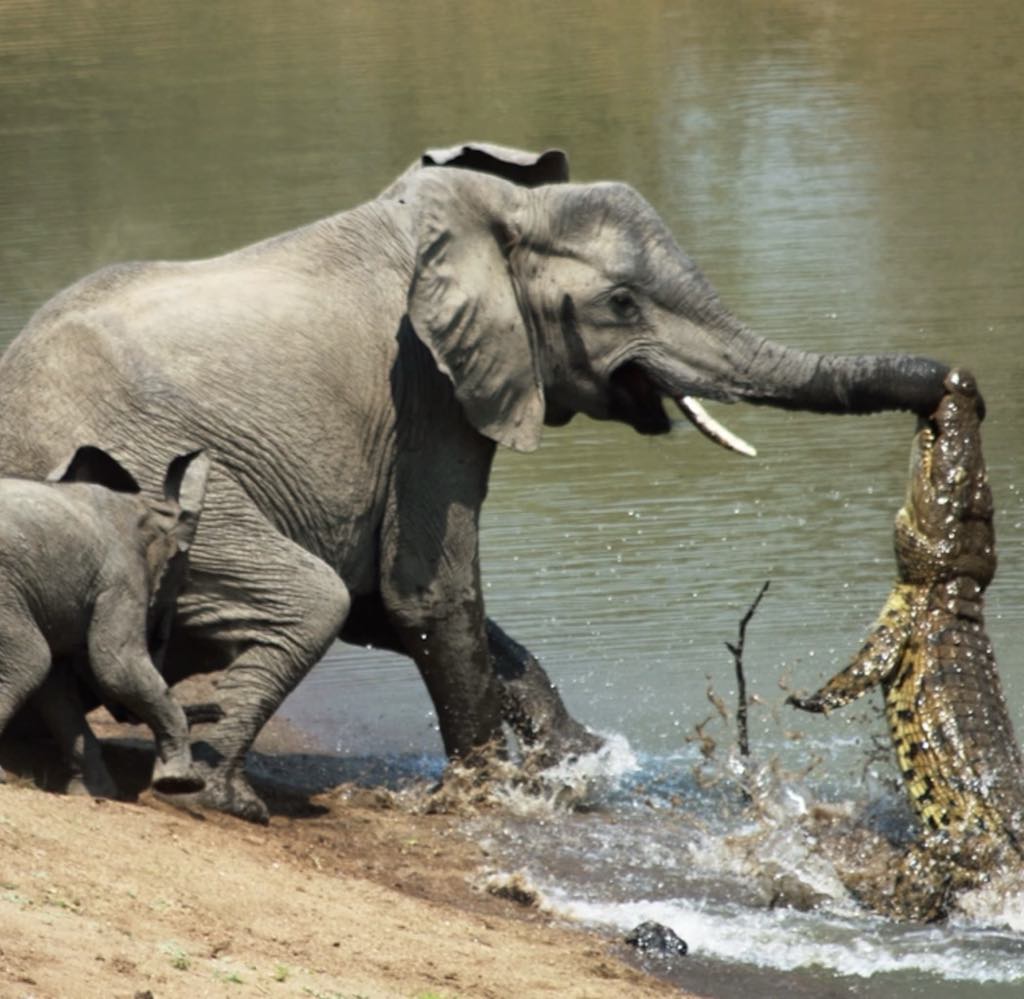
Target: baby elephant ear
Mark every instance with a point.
(463, 304)
(185, 482)
(92, 464)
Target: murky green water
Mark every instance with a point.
(848, 174)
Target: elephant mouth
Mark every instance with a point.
(636, 399)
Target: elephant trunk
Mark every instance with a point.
(830, 383)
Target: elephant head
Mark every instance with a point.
(543, 302)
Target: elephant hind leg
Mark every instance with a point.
(24, 663)
(271, 609)
(59, 704)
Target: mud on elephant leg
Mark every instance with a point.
(532, 706)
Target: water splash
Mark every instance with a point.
(761, 883)
(744, 860)
(786, 940)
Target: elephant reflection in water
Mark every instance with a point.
(351, 380)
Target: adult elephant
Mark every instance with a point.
(351, 380)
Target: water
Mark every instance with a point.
(751, 888)
(846, 174)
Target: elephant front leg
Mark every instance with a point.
(430, 580)
(530, 702)
(532, 705)
(451, 653)
(430, 588)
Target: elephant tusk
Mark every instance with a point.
(711, 428)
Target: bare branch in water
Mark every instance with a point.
(741, 680)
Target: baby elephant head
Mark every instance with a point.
(944, 528)
(165, 526)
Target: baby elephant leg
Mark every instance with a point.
(125, 673)
(24, 662)
(58, 703)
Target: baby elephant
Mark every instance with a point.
(89, 574)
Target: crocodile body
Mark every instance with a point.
(929, 651)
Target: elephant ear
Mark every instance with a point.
(93, 465)
(463, 303)
(185, 486)
(515, 165)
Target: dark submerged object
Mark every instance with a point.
(948, 719)
(656, 940)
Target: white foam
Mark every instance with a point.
(786, 941)
(580, 781)
(999, 903)
(602, 769)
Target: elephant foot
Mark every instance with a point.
(92, 787)
(564, 746)
(577, 740)
(177, 774)
(229, 793)
(188, 782)
(532, 706)
(88, 774)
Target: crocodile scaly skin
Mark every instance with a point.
(950, 727)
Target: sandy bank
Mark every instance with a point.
(351, 897)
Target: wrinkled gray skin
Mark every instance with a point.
(89, 573)
(351, 380)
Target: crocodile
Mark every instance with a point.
(947, 716)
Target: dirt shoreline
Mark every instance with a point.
(342, 895)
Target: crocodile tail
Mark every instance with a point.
(878, 657)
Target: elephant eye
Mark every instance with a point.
(623, 303)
